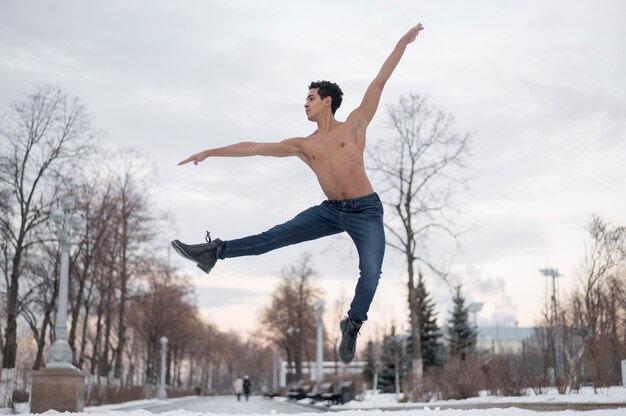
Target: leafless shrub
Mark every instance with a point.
(458, 379)
(504, 375)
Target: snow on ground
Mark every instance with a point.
(433, 412)
(372, 403)
(373, 400)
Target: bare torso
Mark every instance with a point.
(336, 158)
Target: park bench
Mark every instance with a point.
(343, 395)
(299, 392)
(316, 394)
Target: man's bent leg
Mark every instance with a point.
(313, 223)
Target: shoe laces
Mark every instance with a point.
(207, 237)
(352, 328)
(351, 341)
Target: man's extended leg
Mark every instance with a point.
(315, 222)
(311, 224)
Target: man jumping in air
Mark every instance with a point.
(334, 152)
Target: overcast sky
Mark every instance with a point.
(540, 85)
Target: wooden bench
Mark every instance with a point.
(316, 394)
(300, 392)
(343, 395)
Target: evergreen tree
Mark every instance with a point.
(394, 362)
(369, 370)
(432, 348)
(462, 334)
(430, 334)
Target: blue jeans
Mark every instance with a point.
(361, 218)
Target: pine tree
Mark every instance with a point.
(394, 362)
(462, 334)
(369, 370)
(430, 333)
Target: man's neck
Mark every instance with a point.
(326, 123)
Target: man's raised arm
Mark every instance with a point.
(369, 105)
(289, 147)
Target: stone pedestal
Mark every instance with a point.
(60, 389)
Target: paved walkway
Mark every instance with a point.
(223, 404)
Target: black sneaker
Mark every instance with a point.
(347, 346)
(205, 254)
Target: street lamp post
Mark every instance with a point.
(319, 309)
(162, 392)
(475, 307)
(60, 354)
(554, 273)
(60, 386)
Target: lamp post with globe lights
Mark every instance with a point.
(67, 222)
(60, 386)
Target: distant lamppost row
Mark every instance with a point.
(60, 354)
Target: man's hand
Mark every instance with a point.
(412, 33)
(197, 158)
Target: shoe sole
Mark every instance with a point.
(204, 267)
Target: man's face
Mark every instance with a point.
(314, 105)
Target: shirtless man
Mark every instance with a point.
(334, 152)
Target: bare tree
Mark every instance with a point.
(135, 226)
(158, 308)
(420, 173)
(290, 319)
(597, 310)
(44, 138)
(37, 305)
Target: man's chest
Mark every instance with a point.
(331, 147)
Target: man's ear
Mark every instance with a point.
(328, 100)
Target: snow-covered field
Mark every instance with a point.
(375, 404)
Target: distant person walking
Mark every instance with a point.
(247, 386)
(238, 386)
(334, 152)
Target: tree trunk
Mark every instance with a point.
(9, 352)
(10, 347)
(83, 341)
(95, 354)
(76, 311)
(416, 338)
(41, 341)
(105, 367)
(121, 331)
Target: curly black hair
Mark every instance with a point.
(329, 89)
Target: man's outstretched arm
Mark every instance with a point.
(289, 147)
(365, 112)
